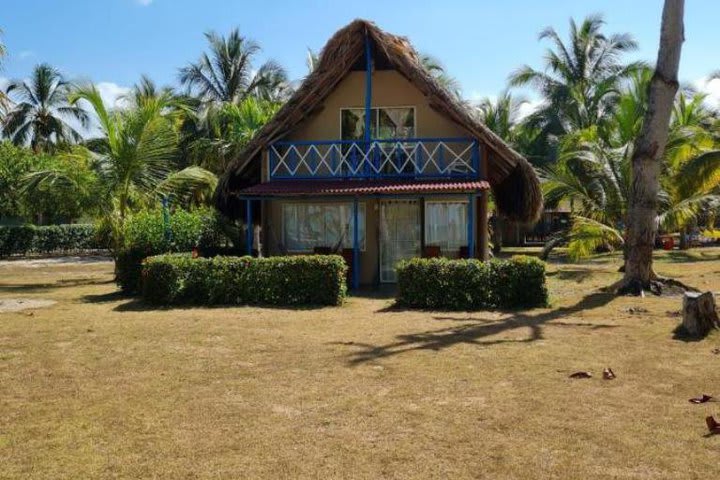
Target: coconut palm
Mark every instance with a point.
(41, 114)
(3, 98)
(223, 131)
(594, 172)
(312, 59)
(502, 115)
(437, 70)
(135, 152)
(227, 73)
(581, 80)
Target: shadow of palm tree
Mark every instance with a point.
(475, 333)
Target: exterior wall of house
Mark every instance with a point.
(369, 257)
(273, 229)
(390, 89)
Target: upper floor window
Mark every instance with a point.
(385, 122)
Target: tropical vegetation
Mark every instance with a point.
(68, 156)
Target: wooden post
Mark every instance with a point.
(699, 314)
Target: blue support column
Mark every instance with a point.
(368, 91)
(356, 246)
(471, 226)
(249, 223)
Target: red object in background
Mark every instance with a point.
(195, 253)
(668, 243)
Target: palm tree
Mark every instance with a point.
(135, 153)
(223, 131)
(41, 113)
(502, 115)
(437, 70)
(3, 98)
(312, 59)
(581, 80)
(594, 172)
(227, 73)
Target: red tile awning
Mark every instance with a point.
(386, 186)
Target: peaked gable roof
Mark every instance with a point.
(515, 185)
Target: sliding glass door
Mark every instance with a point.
(399, 235)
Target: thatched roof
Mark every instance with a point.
(515, 185)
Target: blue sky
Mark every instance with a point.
(113, 42)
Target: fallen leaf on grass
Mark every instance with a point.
(608, 374)
(581, 375)
(702, 399)
(633, 310)
(712, 425)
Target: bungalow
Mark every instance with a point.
(373, 159)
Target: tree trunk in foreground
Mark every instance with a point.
(649, 148)
(699, 314)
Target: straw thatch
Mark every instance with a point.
(515, 185)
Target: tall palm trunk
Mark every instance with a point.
(649, 148)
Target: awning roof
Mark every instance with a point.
(307, 188)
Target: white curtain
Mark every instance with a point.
(446, 226)
(309, 225)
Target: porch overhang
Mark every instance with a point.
(352, 188)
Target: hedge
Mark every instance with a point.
(145, 236)
(24, 239)
(439, 283)
(297, 280)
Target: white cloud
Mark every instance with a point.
(711, 88)
(113, 94)
(529, 107)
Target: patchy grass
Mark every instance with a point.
(97, 386)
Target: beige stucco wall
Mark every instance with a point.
(389, 89)
(369, 258)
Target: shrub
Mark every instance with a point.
(24, 239)
(440, 283)
(145, 236)
(297, 280)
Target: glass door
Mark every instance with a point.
(399, 235)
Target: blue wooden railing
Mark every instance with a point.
(378, 158)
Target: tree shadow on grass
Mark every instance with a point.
(474, 333)
(575, 274)
(136, 304)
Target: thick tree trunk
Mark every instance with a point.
(699, 314)
(649, 148)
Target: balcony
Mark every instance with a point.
(380, 158)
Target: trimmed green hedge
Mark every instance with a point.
(296, 280)
(24, 239)
(440, 283)
(145, 236)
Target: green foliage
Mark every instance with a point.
(441, 283)
(145, 235)
(297, 280)
(24, 239)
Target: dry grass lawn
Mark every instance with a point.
(97, 386)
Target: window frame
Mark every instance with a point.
(362, 212)
(377, 118)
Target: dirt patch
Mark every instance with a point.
(20, 304)
(54, 261)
